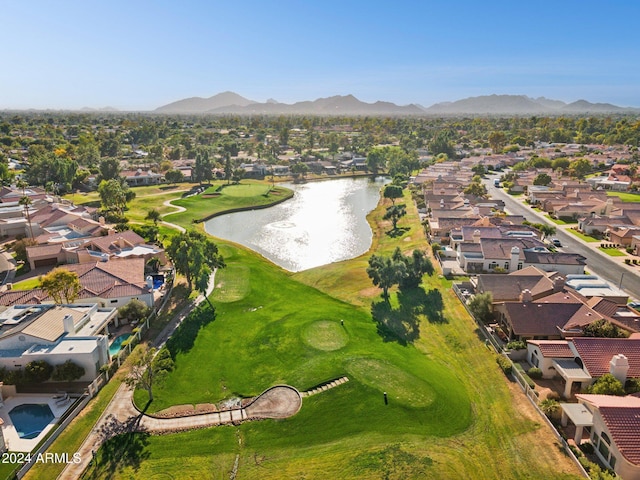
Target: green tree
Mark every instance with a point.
(392, 192)
(607, 384)
(580, 168)
(497, 140)
(154, 216)
(376, 160)
(603, 328)
(37, 371)
(109, 169)
(67, 372)
(542, 179)
(385, 272)
(190, 252)
(476, 189)
(481, 306)
(202, 283)
(26, 202)
(203, 168)
(415, 266)
(142, 374)
(134, 311)
(115, 194)
(174, 176)
(61, 285)
(442, 142)
(394, 213)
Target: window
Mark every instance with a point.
(114, 301)
(603, 449)
(506, 265)
(606, 438)
(520, 266)
(612, 462)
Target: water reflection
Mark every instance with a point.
(323, 223)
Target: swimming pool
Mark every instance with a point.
(30, 419)
(116, 345)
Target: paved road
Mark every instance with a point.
(598, 262)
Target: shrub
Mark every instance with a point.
(632, 385)
(535, 372)
(549, 407)
(67, 372)
(505, 364)
(135, 310)
(516, 345)
(627, 261)
(37, 371)
(587, 448)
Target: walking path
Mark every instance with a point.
(179, 210)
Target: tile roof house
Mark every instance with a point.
(140, 177)
(509, 288)
(110, 284)
(614, 424)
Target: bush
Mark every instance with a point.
(505, 364)
(135, 311)
(37, 371)
(587, 448)
(549, 407)
(516, 345)
(632, 385)
(67, 372)
(535, 372)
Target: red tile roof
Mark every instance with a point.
(596, 353)
(553, 348)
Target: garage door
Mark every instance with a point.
(44, 262)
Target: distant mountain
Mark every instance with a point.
(520, 105)
(348, 105)
(232, 103)
(103, 109)
(203, 105)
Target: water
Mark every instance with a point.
(30, 419)
(116, 345)
(324, 222)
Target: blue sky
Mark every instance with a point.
(139, 55)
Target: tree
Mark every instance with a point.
(385, 272)
(476, 189)
(61, 285)
(202, 283)
(174, 176)
(542, 179)
(154, 216)
(203, 169)
(376, 160)
(109, 169)
(580, 168)
(603, 328)
(607, 384)
(134, 311)
(481, 306)
(394, 213)
(20, 248)
(393, 191)
(416, 266)
(25, 201)
(37, 371)
(228, 168)
(67, 372)
(497, 140)
(190, 252)
(442, 142)
(546, 230)
(142, 374)
(115, 194)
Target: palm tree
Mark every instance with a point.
(153, 215)
(26, 202)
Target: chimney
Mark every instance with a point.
(476, 236)
(442, 203)
(149, 280)
(515, 258)
(619, 367)
(101, 220)
(67, 323)
(120, 242)
(526, 296)
(608, 207)
(558, 284)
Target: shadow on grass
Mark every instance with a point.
(397, 232)
(123, 445)
(185, 335)
(402, 324)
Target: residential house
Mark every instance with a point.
(592, 286)
(509, 288)
(613, 425)
(55, 334)
(623, 235)
(141, 177)
(110, 284)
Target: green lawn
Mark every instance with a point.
(451, 412)
(586, 238)
(613, 252)
(625, 196)
(29, 284)
(558, 221)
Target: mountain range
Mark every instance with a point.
(232, 103)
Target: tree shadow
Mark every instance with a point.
(402, 324)
(123, 445)
(397, 232)
(183, 339)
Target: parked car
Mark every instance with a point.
(556, 242)
(634, 305)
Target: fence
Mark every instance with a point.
(529, 392)
(66, 420)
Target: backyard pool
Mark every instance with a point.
(116, 345)
(30, 419)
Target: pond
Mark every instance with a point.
(324, 222)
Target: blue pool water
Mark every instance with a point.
(116, 345)
(30, 419)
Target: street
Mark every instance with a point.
(598, 262)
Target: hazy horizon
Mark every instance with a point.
(140, 56)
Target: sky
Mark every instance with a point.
(142, 54)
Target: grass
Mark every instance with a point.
(451, 413)
(625, 196)
(558, 221)
(613, 252)
(586, 238)
(29, 284)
